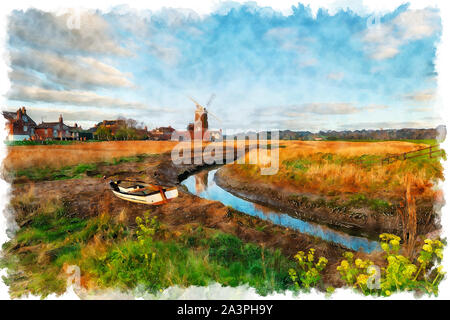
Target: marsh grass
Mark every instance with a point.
(58, 156)
(64, 173)
(343, 168)
(75, 171)
(114, 255)
(198, 258)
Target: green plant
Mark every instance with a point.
(400, 273)
(308, 275)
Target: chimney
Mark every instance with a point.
(24, 111)
(76, 125)
(19, 114)
(60, 118)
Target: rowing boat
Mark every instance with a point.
(142, 192)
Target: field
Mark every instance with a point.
(342, 168)
(66, 215)
(56, 156)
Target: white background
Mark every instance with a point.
(205, 7)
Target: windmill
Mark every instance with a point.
(201, 116)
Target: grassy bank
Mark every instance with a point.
(58, 156)
(343, 168)
(75, 171)
(112, 254)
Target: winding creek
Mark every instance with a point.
(203, 185)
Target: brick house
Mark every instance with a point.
(112, 125)
(19, 125)
(161, 133)
(57, 131)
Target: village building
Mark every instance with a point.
(19, 125)
(57, 131)
(112, 125)
(161, 133)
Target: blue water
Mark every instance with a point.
(206, 187)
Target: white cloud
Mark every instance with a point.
(48, 31)
(421, 96)
(328, 108)
(384, 52)
(432, 123)
(78, 72)
(337, 76)
(374, 107)
(288, 38)
(383, 41)
(78, 98)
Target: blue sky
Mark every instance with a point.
(302, 71)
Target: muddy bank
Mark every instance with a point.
(358, 221)
(90, 197)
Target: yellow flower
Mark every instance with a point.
(440, 270)
(385, 247)
(428, 241)
(427, 248)
(387, 293)
(362, 279)
(395, 243)
(438, 244)
(348, 255)
(439, 253)
(410, 270)
(299, 256)
(358, 262)
(344, 264)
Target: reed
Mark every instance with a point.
(57, 156)
(335, 168)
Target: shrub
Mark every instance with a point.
(400, 273)
(308, 275)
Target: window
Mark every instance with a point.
(46, 131)
(25, 118)
(25, 128)
(54, 133)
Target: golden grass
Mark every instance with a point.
(341, 175)
(295, 149)
(55, 156)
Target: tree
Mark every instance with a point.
(103, 133)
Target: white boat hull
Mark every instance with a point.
(154, 198)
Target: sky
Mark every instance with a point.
(305, 70)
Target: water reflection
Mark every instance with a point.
(203, 185)
(201, 182)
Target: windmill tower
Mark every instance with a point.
(200, 125)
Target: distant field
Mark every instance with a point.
(338, 168)
(55, 156)
(430, 142)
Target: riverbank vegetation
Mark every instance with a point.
(112, 254)
(421, 274)
(58, 156)
(74, 171)
(149, 256)
(347, 168)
